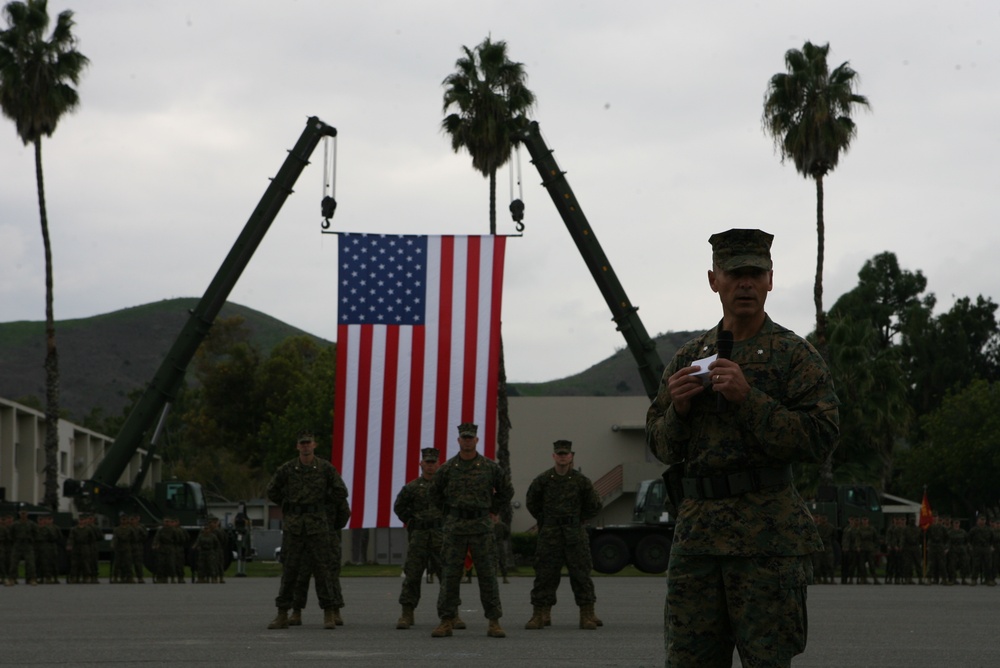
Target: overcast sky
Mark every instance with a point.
(652, 108)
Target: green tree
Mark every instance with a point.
(807, 112)
(959, 458)
(491, 96)
(37, 79)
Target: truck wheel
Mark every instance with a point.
(610, 553)
(652, 554)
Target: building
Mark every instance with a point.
(22, 455)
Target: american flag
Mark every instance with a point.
(418, 341)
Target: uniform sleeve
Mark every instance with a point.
(533, 499)
(403, 507)
(276, 487)
(667, 433)
(340, 508)
(503, 490)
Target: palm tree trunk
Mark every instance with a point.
(818, 285)
(51, 353)
(493, 204)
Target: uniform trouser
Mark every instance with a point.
(138, 557)
(913, 561)
(848, 558)
(20, 553)
(958, 563)
(937, 563)
(756, 605)
(483, 550)
(981, 564)
(865, 564)
(47, 561)
(422, 552)
(122, 567)
(308, 553)
(558, 546)
(165, 567)
(823, 564)
(300, 596)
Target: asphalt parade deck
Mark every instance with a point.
(225, 625)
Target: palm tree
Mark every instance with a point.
(489, 91)
(807, 113)
(36, 88)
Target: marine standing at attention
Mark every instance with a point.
(467, 488)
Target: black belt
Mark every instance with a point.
(735, 484)
(300, 508)
(468, 513)
(426, 524)
(561, 522)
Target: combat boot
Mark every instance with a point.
(593, 615)
(295, 619)
(587, 617)
(281, 621)
(494, 630)
(547, 615)
(443, 629)
(457, 623)
(406, 619)
(536, 622)
(33, 582)
(330, 619)
(337, 618)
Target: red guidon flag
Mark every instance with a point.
(926, 519)
(418, 345)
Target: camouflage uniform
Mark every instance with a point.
(424, 533)
(82, 545)
(937, 553)
(300, 595)
(140, 534)
(868, 540)
(207, 544)
(308, 495)
(163, 548)
(740, 559)
(5, 522)
(958, 555)
(561, 504)
(220, 556)
(501, 533)
(121, 544)
(823, 561)
(913, 552)
(980, 542)
(850, 546)
(47, 550)
(466, 492)
(23, 534)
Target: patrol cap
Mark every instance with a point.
(468, 429)
(562, 447)
(306, 436)
(736, 249)
(429, 455)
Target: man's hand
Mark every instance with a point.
(728, 380)
(683, 387)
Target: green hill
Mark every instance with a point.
(105, 357)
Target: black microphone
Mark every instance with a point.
(724, 342)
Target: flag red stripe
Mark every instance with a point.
(496, 286)
(468, 405)
(416, 407)
(388, 421)
(358, 484)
